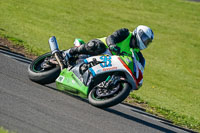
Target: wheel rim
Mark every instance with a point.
(100, 94)
(37, 65)
(104, 92)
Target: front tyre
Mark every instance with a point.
(40, 75)
(119, 94)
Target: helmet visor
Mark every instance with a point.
(145, 39)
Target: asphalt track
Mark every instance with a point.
(27, 107)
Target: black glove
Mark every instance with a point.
(114, 48)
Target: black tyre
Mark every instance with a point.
(104, 102)
(40, 75)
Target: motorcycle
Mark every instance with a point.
(105, 80)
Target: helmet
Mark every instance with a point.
(144, 36)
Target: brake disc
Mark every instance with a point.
(105, 92)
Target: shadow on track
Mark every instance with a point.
(162, 120)
(77, 97)
(129, 117)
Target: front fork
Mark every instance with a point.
(111, 81)
(56, 52)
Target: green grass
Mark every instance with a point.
(181, 120)
(172, 74)
(2, 130)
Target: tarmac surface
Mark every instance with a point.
(27, 107)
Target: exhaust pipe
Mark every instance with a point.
(53, 45)
(55, 51)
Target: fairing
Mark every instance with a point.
(114, 63)
(68, 81)
(78, 84)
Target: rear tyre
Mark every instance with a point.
(104, 102)
(40, 75)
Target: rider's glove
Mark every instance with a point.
(66, 55)
(114, 48)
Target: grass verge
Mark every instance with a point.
(175, 118)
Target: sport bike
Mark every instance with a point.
(105, 80)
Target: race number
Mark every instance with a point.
(106, 61)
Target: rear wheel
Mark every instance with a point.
(43, 72)
(106, 97)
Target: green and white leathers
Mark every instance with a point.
(124, 45)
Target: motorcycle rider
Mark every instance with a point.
(120, 40)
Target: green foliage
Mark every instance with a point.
(172, 74)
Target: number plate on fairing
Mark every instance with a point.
(109, 63)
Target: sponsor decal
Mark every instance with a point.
(108, 69)
(106, 61)
(60, 79)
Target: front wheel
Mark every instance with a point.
(105, 98)
(43, 72)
